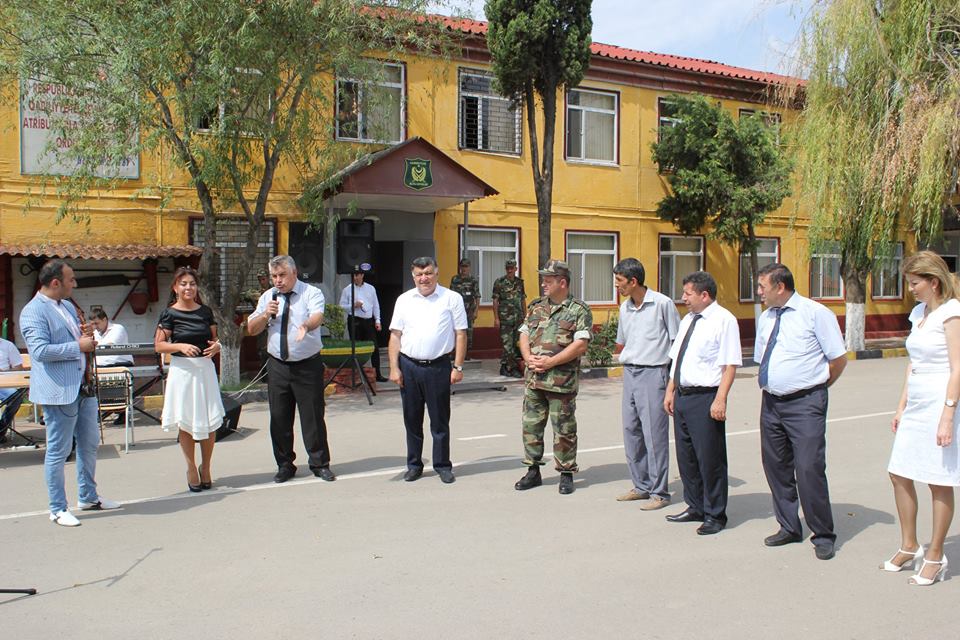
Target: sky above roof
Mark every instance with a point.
(755, 34)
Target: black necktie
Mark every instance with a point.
(683, 347)
(771, 342)
(284, 323)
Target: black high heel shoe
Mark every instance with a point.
(195, 488)
(204, 485)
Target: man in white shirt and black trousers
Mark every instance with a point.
(801, 353)
(705, 357)
(292, 312)
(359, 300)
(429, 321)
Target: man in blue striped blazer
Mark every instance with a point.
(59, 347)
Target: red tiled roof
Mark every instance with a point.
(100, 251)
(477, 27)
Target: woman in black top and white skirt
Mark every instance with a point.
(191, 404)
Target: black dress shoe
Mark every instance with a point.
(566, 484)
(324, 473)
(413, 474)
(446, 476)
(382, 379)
(686, 516)
(284, 474)
(824, 551)
(710, 527)
(530, 480)
(504, 372)
(781, 538)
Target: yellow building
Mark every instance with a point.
(466, 145)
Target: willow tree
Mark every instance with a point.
(538, 48)
(878, 140)
(224, 93)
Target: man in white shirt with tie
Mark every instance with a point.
(292, 312)
(429, 321)
(705, 357)
(359, 301)
(801, 353)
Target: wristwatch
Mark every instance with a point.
(950, 403)
(460, 369)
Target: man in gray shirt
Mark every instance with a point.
(648, 325)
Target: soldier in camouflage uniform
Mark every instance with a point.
(509, 302)
(469, 289)
(252, 296)
(552, 339)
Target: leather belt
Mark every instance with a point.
(799, 394)
(426, 363)
(646, 366)
(692, 391)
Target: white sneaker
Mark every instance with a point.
(102, 504)
(64, 519)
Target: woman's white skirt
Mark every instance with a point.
(915, 452)
(192, 401)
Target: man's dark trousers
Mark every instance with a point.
(426, 384)
(793, 448)
(367, 330)
(701, 454)
(297, 385)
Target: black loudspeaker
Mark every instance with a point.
(231, 421)
(305, 246)
(354, 244)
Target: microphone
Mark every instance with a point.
(276, 293)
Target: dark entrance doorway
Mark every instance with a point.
(387, 276)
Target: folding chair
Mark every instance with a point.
(115, 393)
(9, 406)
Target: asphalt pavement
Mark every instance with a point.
(371, 556)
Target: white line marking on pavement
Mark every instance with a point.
(376, 473)
(495, 435)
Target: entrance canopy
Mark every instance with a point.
(100, 251)
(411, 176)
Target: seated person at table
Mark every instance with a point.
(10, 360)
(106, 332)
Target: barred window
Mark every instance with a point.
(488, 121)
(231, 241)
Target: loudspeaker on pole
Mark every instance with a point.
(354, 244)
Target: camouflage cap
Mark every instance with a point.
(556, 268)
(262, 273)
(510, 263)
(464, 262)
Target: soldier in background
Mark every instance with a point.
(509, 303)
(252, 296)
(469, 289)
(552, 339)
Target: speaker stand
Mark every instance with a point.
(355, 368)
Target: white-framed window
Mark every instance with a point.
(887, 281)
(373, 111)
(825, 280)
(679, 257)
(488, 121)
(592, 122)
(591, 257)
(231, 242)
(770, 118)
(768, 252)
(251, 115)
(488, 250)
(666, 115)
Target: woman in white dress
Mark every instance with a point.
(191, 404)
(925, 445)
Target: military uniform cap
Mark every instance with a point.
(464, 262)
(511, 263)
(262, 273)
(556, 268)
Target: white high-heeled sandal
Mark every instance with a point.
(919, 581)
(888, 565)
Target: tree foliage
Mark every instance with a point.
(539, 47)
(723, 174)
(878, 140)
(224, 92)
